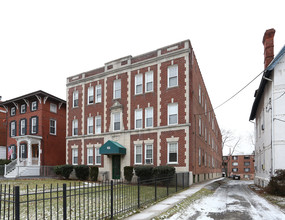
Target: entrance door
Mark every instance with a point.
(23, 151)
(116, 166)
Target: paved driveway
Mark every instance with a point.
(233, 200)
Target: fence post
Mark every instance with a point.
(138, 192)
(64, 201)
(17, 202)
(155, 189)
(112, 199)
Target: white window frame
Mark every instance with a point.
(90, 155)
(97, 127)
(90, 96)
(98, 97)
(168, 152)
(34, 125)
(235, 170)
(23, 108)
(90, 125)
(147, 147)
(247, 170)
(53, 107)
(139, 154)
(74, 126)
(74, 155)
(118, 114)
(138, 83)
(117, 89)
(235, 163)
(149, 115)
(13, 111)
(138, 117)
(200, 125)
(50, 126)
(13, 128)
(97, 155)
(75, 100)
(174, 108)
(200, 159)
(149, 80)
(171, 75)
(23, 126)
(34, 106)
(200, 95)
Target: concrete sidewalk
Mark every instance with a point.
(168, 203)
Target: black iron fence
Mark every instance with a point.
(85, 200)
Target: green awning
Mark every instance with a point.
(112, 147)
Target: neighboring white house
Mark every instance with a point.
(268, 110)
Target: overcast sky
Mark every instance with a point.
(44, 42)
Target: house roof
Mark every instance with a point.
(267, 73)
(33, 95)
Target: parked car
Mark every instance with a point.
(236, 177)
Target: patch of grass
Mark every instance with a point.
(185, 203)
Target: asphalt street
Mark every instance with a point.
(232, 200)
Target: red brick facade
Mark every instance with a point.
(52, 143)
(166, 84)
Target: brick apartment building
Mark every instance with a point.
(3, 132)
(152, 109)
(242, 165)
(36, 131)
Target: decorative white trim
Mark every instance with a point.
(172, 139)
(97, 145)
(149, 141)
(89, 145)
(138, 142)
(74, 146)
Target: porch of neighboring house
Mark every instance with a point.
(26, 158)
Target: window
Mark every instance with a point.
(13, 128)
(75, 156)
(200, 98)
(34, 106)
(247, 170)
(74, 127)
(246, 163)
(172, 113)
(148, 153)
(23, 108)
(234, 157)
(206, 134)
(235, 170)
(205, 159)
(235, 163)
(13, 111)
(98, 124)
(246, 157)
(199, 156)
(98, 94)
(90, 125)
(149, 81)
(75, 99)
(138, 118)
(173, 152)
(23, 125)
(205, 106)
(117, 89)
(200, 126)
(34, 125)
(138, 154)
(149, 117)
(53, 107)
(117, 121)
(97, 157)
(138, 84)
(172, 74)
(52, 126)
(90, 156)
(90, 95)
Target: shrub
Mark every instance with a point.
(128, 173)
(144, 172)
(276, 185)
(163, 171)
(3, 162)
(94, 171)
(63, 170)
(82, 172)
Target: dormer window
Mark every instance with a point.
(13, 111)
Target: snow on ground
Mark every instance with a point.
(231, 201)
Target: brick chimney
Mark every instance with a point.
(268, 42)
